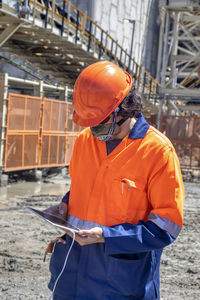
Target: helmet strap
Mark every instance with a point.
(111, 129)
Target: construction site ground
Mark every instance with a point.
(24, 237)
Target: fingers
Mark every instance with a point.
(95, 232)
(83, 240)
(94, 235)
(85, 232)
(86, 237)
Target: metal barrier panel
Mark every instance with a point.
(70, 143)
(32, 115)
(53, 133)
(189, 155)
(16, 112)
(183, 128)
(14, 152)
(69, 117)
(22, 136)
(40, 133)
(54, 146)
(54, 115)
(184, 132)
(72, 130)
(45, 150)
(57, 127)
(30, 154)
(62, 150)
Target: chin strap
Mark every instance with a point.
(106, 137)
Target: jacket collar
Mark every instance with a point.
(140, 128)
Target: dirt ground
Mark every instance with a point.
(23, 239)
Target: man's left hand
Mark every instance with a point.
(90, 236)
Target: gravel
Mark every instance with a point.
(23, 240)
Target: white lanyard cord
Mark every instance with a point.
(64, 265)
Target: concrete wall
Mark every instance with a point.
(85, 5)
(110, 15)
(150, 50)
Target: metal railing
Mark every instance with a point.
(73, 25)
(66, 17)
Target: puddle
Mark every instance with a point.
(12, 193)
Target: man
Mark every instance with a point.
(126, 195)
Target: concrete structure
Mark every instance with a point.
(110, 15)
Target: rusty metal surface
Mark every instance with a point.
(189, 155)
(182, 128)
(40, 133)
(184, 132)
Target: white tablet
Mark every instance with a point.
(55, 220)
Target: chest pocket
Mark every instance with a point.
(129, 200)
(132, 185)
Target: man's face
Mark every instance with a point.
(102, 129)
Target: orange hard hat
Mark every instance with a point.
(98, 90)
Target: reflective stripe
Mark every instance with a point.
(165, 224)
(81, 224)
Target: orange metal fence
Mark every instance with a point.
(40, 133)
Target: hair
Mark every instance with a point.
(131, 106)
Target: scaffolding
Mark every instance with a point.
(59, 40)
(179, 56)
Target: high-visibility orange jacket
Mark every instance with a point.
(136, 195)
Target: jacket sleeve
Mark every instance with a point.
(165, 194)
(128, 238)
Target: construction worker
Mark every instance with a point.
(126, 195)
